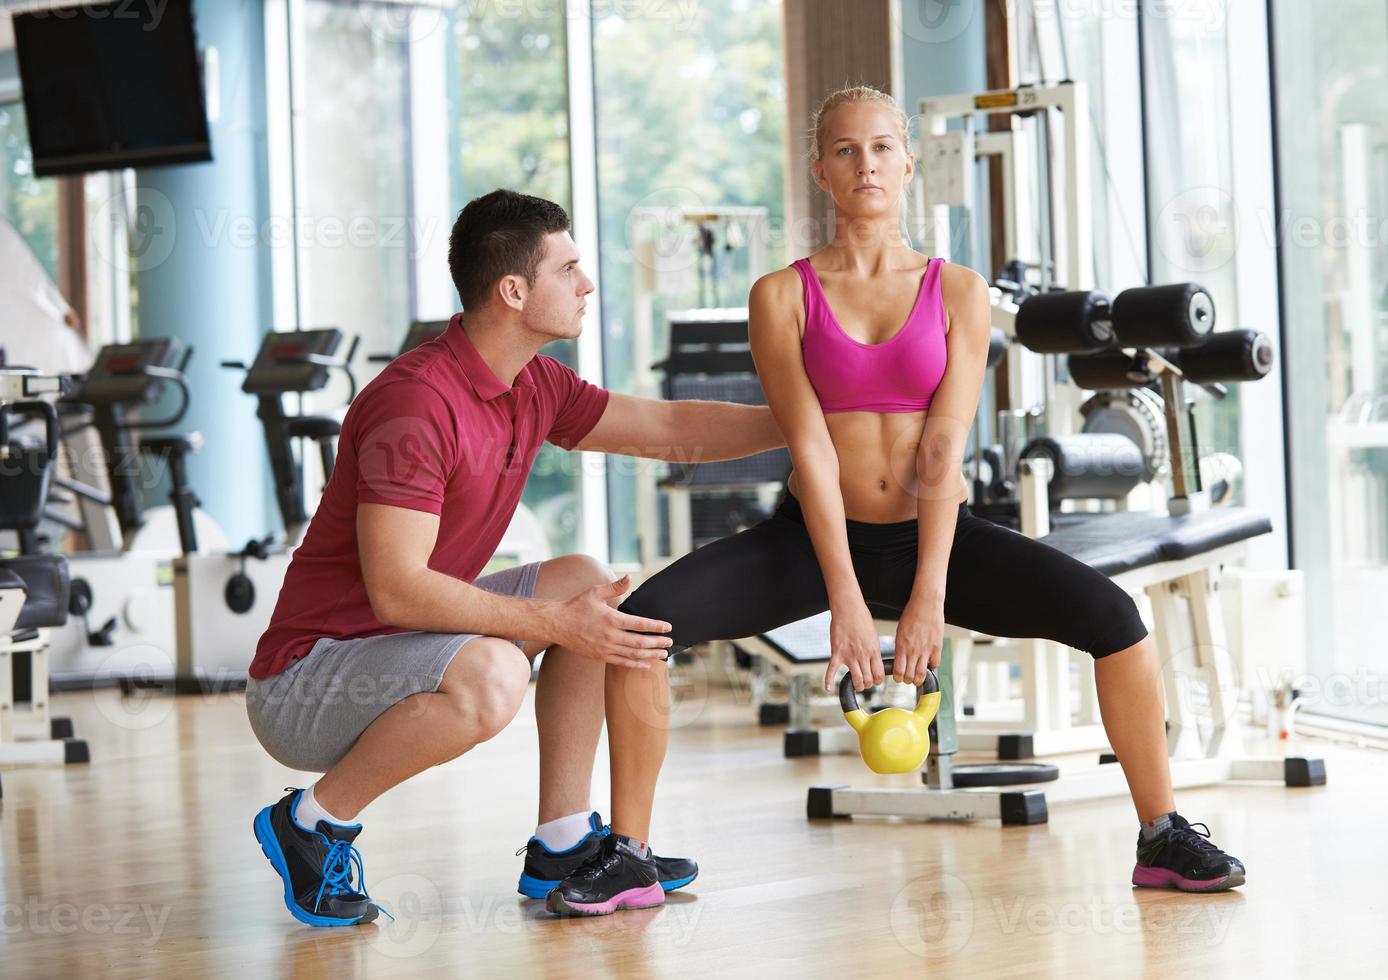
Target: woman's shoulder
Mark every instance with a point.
(777, 298)
(778, 283)
(963, 292)
(960, 276)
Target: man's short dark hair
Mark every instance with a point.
(500, 234)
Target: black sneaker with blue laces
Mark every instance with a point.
(1183, 857)
(621, 876)
(324, 882)
(544, 869)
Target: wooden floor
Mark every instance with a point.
(143, 864)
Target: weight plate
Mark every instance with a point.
(1004, 774)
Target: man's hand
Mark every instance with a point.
(590, 627)
(920, 632)
(853, 643)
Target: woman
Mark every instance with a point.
(872, 358)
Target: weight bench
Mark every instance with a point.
(1173, 559)
(34, 589)
(33, 599)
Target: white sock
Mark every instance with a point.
(564, 833)
(309, 812)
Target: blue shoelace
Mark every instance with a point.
(338, 865)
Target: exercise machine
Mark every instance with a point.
(223, 601)
(33, 588)
(120, 598)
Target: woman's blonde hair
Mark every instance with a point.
(858, 93)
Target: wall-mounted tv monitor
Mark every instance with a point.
(111, 85)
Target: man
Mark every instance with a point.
(386, 655)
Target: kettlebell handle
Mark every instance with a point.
(848, 698)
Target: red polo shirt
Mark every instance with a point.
(436, 431)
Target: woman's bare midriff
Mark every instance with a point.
(877, 465)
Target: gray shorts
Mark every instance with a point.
(309, 715)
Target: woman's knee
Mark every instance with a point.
(1115, 622)
(665, 601)
(647, 599)
(673, 591)
(486, 684)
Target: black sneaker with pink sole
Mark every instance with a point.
(1185, 858)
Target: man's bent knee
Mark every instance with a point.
(568, 575)
(486, 682)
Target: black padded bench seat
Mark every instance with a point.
(1121, 542)
(44, 579)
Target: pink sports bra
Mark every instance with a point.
(900, 374)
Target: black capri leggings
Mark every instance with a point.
(999, 582)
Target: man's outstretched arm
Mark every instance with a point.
(682, 431)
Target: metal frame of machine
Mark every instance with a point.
(29, 734)
(123, 602)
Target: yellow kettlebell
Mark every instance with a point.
(893, 739)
